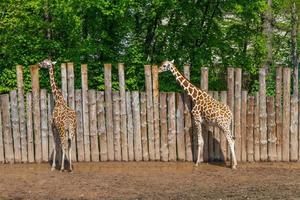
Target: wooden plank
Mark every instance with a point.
(250, 123)
(188, 131)
(29, 123)
(244, 126)
(64, 81)
(256, 132)
(223, 156)
(80, 134)
(271, 129)
(71, 102)
(263, 115)
(180, 127)
(230, 101)
(171, 126)
(278, 112)
(237, 113)
(216, 135)
(150, 122)
(129, 127)
(286, 114)
(116, 126)
(210, 138)
(101, 125)
(34, 69)
(164, 156)
(123, 125)
(93, 126)
(44, 125)
(15, 125)
(156, 111)
(205, 127)
(294, 129)
(145, 150)
(136, 126)
(2, 157)
(85, 113)
(21, 109)
(6, 125)
(108, 113)
(51, 130)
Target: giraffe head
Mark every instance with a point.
(47, 63)
(166, 66)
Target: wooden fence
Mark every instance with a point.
(151, 125)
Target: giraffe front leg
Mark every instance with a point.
(70, 154)
(54, 158)
(198, 121)
(230, 140)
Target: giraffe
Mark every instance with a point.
(63, 118)
(206, 109)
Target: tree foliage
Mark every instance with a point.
(216, 34)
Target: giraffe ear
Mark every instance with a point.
(172, 61)
(54, 62)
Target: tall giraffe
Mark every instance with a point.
(205, 108)
(63, 118)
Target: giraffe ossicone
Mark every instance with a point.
(206, 108)
(63, 118)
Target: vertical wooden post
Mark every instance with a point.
(286, 114)
(20, 85)
(85, 112)
(2, 158)
(250, 122)
(51, 141)
(156, 111)
(71, 101)
(80, 125)
(144, 126)
(129, 127)
(180, 127)
(187, 120)
(44, 125)
(271, 129)
(34, 69)
(244, 126)
(64, 81)
(116, 126)
(263, 115)
(237, 113)
(108, 109)
(216, 135)
(256, 132)
(101, 125)
(15, 125)
(93, 126)
(30, 138)
(278, 112)
(204, 87)
(230, 101)
(163, 127)
(124, 142)
(7, 134)
(294, 129)
(222, 134)
(171, 127)
(148, 79)
(137, 126)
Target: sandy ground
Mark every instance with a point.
(151, 180)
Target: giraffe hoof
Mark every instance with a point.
(233, 167)
(62, 170)
(52, 169)
(196, 164)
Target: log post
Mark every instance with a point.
(156, 111)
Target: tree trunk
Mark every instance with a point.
(267, 31)
(294, 55)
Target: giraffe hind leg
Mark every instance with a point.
(230, 140)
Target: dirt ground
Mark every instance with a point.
(151, 180)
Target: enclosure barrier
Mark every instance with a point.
(151, 125)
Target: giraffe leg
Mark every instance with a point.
(70, 153)
(231, 145)
(198, 121)
(54, 158)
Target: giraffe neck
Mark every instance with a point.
(191, 90)
(55, 91)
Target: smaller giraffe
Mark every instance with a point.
(63, 118)
(205, 108)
